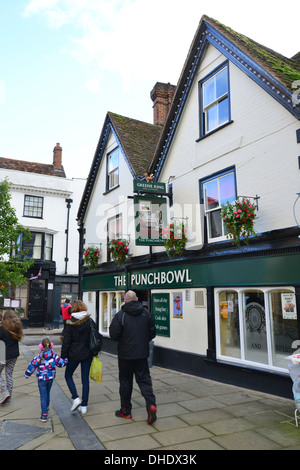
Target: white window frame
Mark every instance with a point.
(113, 169)
(104, 330)
(208, 211)
(215, 102)
(242, 361)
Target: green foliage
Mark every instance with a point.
(238, 218)
(91, 257)
(118, 248)
(12, 266)
(174, 239)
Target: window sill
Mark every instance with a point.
(110, 190)
(214, 131)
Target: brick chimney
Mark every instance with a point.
(162, 96)
(57, 151)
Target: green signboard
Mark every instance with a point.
(160, 307)
(265, 270)
(150, 219)
(143, 186)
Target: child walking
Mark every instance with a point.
(45, 365)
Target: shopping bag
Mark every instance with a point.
(96, 370)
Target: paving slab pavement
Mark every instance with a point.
(193, 414)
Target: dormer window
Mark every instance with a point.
(112, 169)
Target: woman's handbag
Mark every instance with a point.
(96, 340)
(96, 370)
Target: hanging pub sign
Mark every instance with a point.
(150, 219)
(145, 186)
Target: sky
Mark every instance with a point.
(66, 63)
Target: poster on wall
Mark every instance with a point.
(288, 302)
(177, 305)
(160, 307)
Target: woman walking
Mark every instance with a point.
(11, 332)
(75, 347)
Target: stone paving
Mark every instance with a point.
(193, 414)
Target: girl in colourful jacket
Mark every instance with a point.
(45, 365)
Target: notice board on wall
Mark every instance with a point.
(160, 307)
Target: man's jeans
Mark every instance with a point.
(85, 371)
(44, 388)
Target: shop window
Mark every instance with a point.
(110, 304)
(256, 326)
(229, 324)
(255, 334)
(283, 316)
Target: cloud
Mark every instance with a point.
(140, 40)
(129, 38)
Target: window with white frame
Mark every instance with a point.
(33, 206)
(110, 303)
(256, 326)
(215, 106)
(112, 169)
(114, 229)
(217, 190)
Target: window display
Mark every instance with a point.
(256, 326)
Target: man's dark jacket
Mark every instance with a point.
(133, 327)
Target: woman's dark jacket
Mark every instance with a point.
(11, 344)
(76, 339)
(133, 327)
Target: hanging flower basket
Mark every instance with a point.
(118, 248)
(91, 257)
(239, 218)
(174, 239)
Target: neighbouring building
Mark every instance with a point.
(229, 129)
(46, 202)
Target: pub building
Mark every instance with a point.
(229, 131)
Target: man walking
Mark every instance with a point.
(133, 327)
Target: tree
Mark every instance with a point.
(13, 266)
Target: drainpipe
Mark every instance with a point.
(81, 231)
(69, 202)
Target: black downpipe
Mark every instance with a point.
(69, 202)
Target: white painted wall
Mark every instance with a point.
(190, 332)
(105, 206)
(261, 143)
(54, 190)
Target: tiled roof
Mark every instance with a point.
(30, 167)
(285, 70)
(138, 139)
